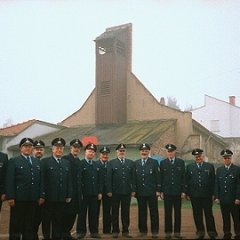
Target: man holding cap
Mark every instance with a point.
(23, 191)
(106, 200)
(172, 172)
(200, 178)
(57, 190)
(71, 209)
(119, 184)
(227, 193)
(90, 179)
(147, 191)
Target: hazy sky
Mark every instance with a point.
(181, 48)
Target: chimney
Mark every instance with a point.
(162, 101)
(232, 100)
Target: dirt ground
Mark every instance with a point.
(188, 228)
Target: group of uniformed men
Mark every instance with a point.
(59, 189)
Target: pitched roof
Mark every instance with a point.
(16, 129)
(131, 133)
(20, 127)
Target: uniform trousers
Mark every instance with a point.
(122, 200)
(70, 214)
(204, 205)
(145, 202)
(52, 220)
(227, 211)
(21, 220)
(172, 203)
(106, 213)
(37, 221)
(88, 208)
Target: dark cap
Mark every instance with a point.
(121, 146)
(197, 151)
(76, 143)
(91, 146)
(170, 147)
(58, 142)
(226, 152)
(104, 149)
(144, 146)
(26, 141)
(38, 144)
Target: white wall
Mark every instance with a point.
(214, 109)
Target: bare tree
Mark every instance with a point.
(7, 123)
(172, 102)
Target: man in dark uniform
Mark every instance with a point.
(3, 166)
(172, 171)
(71, 209)
(38, 152)
(91, 193)
(106, 200)
(23, 191)
(200, 179)
(57, 190)
(119, 184)
(147, 191)
(227, 193)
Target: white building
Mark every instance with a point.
(219, 117)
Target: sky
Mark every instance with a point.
(183, 49)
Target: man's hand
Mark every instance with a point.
(99, 197)
(11, 202)
(162, 195)
(109, 194)
(41, 201)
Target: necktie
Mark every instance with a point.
(171, 161)
(89, 162)
(143, 162)
(58, 160)
(199, 166)
(29, 159)
(122, 160)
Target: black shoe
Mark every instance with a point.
(168, 236)
(142, 235)
(81, 235)
(178, 236)
(126, 235)
(154, 235)
(95, 235)
(115, 235)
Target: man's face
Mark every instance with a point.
(104, 156)
(75, 151)
(144, 153)
(38, 152)
(89, 154)
(171, 154)
(199, 158)
(26, 150)
(227, 160)
(121, 153)
(58, 151)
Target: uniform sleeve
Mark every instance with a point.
(3, 174)
(109, 177)
(157, 176)
(10, 180)
(238, 184)
(216, 186)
